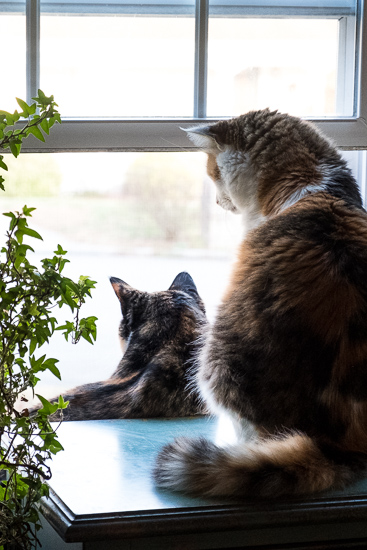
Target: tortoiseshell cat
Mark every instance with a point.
(158, 331)
(287, 354)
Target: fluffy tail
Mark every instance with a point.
(292, 465)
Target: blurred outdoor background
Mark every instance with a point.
(142, 217)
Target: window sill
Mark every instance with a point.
(156, 134)
(102, 491)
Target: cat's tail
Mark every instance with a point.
(293, 464)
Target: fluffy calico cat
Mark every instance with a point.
(287, 355)
(158, 331)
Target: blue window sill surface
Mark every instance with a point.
(102, 496)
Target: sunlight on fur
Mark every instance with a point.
(226, 433)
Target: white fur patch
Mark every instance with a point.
(124, 343)
(237, 428)
(198, 135)
(240, 184)
(301, 193)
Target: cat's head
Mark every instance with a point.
(159, 315)
(260, 160)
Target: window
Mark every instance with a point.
(127, 76)
(178, 61)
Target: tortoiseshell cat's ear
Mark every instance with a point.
(205, 137)
(184, 282)
(119, 286)
(124, 292)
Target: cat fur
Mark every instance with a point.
(158, 332)
(286, 358)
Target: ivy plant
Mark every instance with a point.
(28, 295)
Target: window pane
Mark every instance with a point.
(13, 60)
(123, 65)
(127, 203)
(142, 217)
(285, 64)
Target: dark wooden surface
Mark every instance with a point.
(101, 490)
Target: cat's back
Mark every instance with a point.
(312, 257)
(319, 239)
(293, 323)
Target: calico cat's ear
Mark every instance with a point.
(125, 293)
(205, 137)
(120, 287)
(184, 282)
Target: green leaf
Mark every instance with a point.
(45, 490)
(68, 328)
(26, 108)
(47, 407)
(43, 100)
(67, 298)
(50, 364)
(60, 251)
(23, 249)
(27, 211)
(57, 118)
(51, 442)
(10, 118)
(10, 215)
(34, 130)
(32, 346)
(15, 148)
(45, 126)
(31, 233)
(36, 364)
(2, 163)
(61, 403)
(73, 286)
(22, 487)
(87, 337)
(33, 310)
(19, 235)
(32, 108)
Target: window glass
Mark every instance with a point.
(138, 60)
(142, 217)
(13, 58)
(285, 64)
(122, 66)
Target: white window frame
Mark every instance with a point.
(163, 134)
